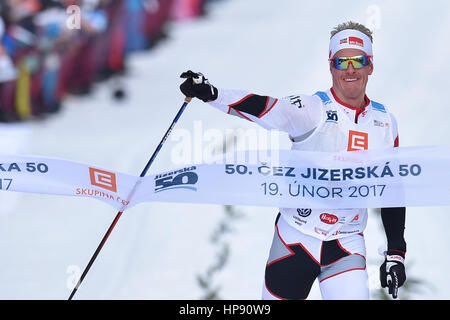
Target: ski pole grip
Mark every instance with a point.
(188, 99)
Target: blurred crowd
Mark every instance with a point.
(52, 48)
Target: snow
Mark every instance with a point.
(157, 249)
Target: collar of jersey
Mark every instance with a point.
(358, 111)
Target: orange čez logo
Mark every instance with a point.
(357, 141)
(103, 179)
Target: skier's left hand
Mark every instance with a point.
(392, 272)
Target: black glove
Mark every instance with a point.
(392, 272)
(197, 86)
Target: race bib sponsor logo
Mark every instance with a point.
(328, 218)
(378, 123)
(332, 116)
(303, 212)
(296, 101)
(103, 179)
(357, 141)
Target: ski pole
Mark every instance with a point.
(118, 215)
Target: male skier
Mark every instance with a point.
(327, 245)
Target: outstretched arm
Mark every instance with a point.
(287, 114)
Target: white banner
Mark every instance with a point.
(407, 176)
(62, 177)
(416, 176)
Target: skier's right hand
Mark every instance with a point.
(392, 272)
(197, 86)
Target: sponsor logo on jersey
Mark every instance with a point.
(357, 141)
(378, 123)
(184, 178)
(296, 101)
(321, 231)
(328, 218)
(299, 221)
(332, 116)
(103, 179)
(304, 212)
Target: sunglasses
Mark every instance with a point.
(358, 62)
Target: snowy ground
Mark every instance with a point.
(157, 249)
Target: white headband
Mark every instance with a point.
(350, 39)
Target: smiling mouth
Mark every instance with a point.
(350, 79)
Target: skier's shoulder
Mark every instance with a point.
(378, 106)
(382, 108)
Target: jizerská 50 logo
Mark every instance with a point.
(184, 178)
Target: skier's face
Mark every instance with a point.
(350, 83)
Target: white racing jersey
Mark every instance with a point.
(320, 122)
